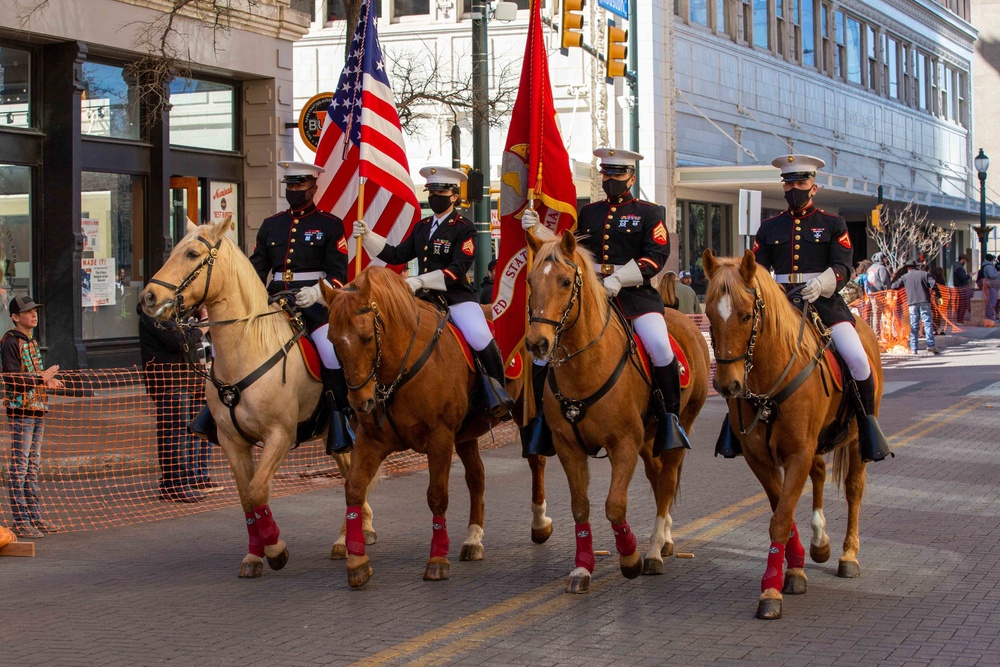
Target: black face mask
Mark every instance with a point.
(439, 203)
(297, 198)
(798, 198)
(614, 188)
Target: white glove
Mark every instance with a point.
(371, 241)
(628, 275)
(613, 284)
(529, 218)
(825, 284)
(307, 296)
(360, 229)
(415, 283)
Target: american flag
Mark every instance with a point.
(362, 138)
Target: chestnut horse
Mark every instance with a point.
(584, 349)
(206, 268)
(410, 386)
(753, 322)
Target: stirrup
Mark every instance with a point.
(669, 434)
(203, 426)
(499, 404)
(872, 444)
(536, 438)
(728, 445)
(339, 436)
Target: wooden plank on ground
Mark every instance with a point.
(18, 549)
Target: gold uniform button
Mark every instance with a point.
(611, 217)
(291, 250)
(292, 241)
(797, 237)
(607, 247)
(425, 247)
(288, 261)
(293, 230)
(795, 268)
(797, 221)
(796, 246)
(606, 237)
(613, 209)
(295, 220)
(795, 256)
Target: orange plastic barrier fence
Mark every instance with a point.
(888, 315)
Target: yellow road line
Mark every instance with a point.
(543, 600)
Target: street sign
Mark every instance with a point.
(749, 215)
(616, 7)
(311, 119)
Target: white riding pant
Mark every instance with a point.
(848, 343)
(325, 348)
(471, 321)
(652, 331)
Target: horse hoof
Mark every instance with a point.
(579, 583)
(359, 571)
(540, 535)
(667, 550)
(338, 552)
(820, 554)
(848, 569)
(769, 609)
(471, 552)
(251, 570)
(279, 561)
(438, 569)
(631, 568)
(795, 583)
(652, 566)
(370, 537)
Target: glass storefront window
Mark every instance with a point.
(109, 103)
(112, 266)
(15, 88)
(15, 238)
(201, 115)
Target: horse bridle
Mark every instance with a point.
(747, 357)
(560, 326)
(209, 261)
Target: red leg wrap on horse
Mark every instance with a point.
(256, 545)
(774, 576)
(439, 539)
(624, 539)
(795, 553)
(267, 529)
(355, 533)
(584, 547)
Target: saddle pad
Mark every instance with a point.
(833, 365)
(513, 369)
(682, 363)
(311, 358)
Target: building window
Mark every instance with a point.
(308, 7)
(960, 93)
(111, 268)
(410, 8)
(15, 88)
(761, 35)
(335, 10)
(745, 21)
(906, 92)
(808, 28)
(15, 238)
(202, 115)
(947, 100)
(892, 67)
(699, 12)
(827, 44)
(722, 18)
(922, 81)
(840, 50)
(871, 47)
(853, 33)
(109, 102)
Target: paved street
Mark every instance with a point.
(167, 592)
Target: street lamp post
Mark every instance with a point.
(481, 133)
(982, 163)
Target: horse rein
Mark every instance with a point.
(209, 261)
(560, 326)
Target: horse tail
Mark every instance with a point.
(841, 461)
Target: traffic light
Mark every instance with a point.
(571, 26)
(616, 52)
(876, 217)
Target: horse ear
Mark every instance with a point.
(327, 290)
(219, 229)
(748, 267)
(533, 241)
(709, 263)
(567, 243)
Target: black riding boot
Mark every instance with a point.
(728, 445)
(667, 404)
(536, 437)
(498, 401)
(339, 437)
(203, 426)
(871, 441)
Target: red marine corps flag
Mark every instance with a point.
(535, 163)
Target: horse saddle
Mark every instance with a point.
(307, 348)
(683, 367)
(513, 369)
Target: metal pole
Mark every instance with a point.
(983, 230)
(456, 146)
(481, 133)
(633, 81)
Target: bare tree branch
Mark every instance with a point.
(907, 232)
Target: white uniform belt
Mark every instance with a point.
(794, 278)
(302, 276)
(608, 269)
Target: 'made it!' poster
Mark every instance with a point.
(98, 281)
(225, 203)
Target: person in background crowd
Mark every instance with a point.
(173, 390)
(486, 287)
(961, 281)
(918, 285)
(989, 277)
(25, 384)
(683, 297)
(877, 280)
(861, 279)
(937, 300)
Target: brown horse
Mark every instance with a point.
(588, 343)
(206, 268)
(753, 322)
(411, 386)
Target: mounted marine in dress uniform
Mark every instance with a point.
(444, 245)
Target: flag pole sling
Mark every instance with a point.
(361, 211)
(527, 388)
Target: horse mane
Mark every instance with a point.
(781, 320)
(551, 250)
(387, 290)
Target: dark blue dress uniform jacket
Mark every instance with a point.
(452, 250)
(302, 241)
(623, 230)
(810, 242)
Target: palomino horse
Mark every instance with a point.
(753, 322)
(206, 268)
(587, 348)
(410, 386)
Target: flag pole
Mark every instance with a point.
(361, 212)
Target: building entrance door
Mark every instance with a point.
(185, 195)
